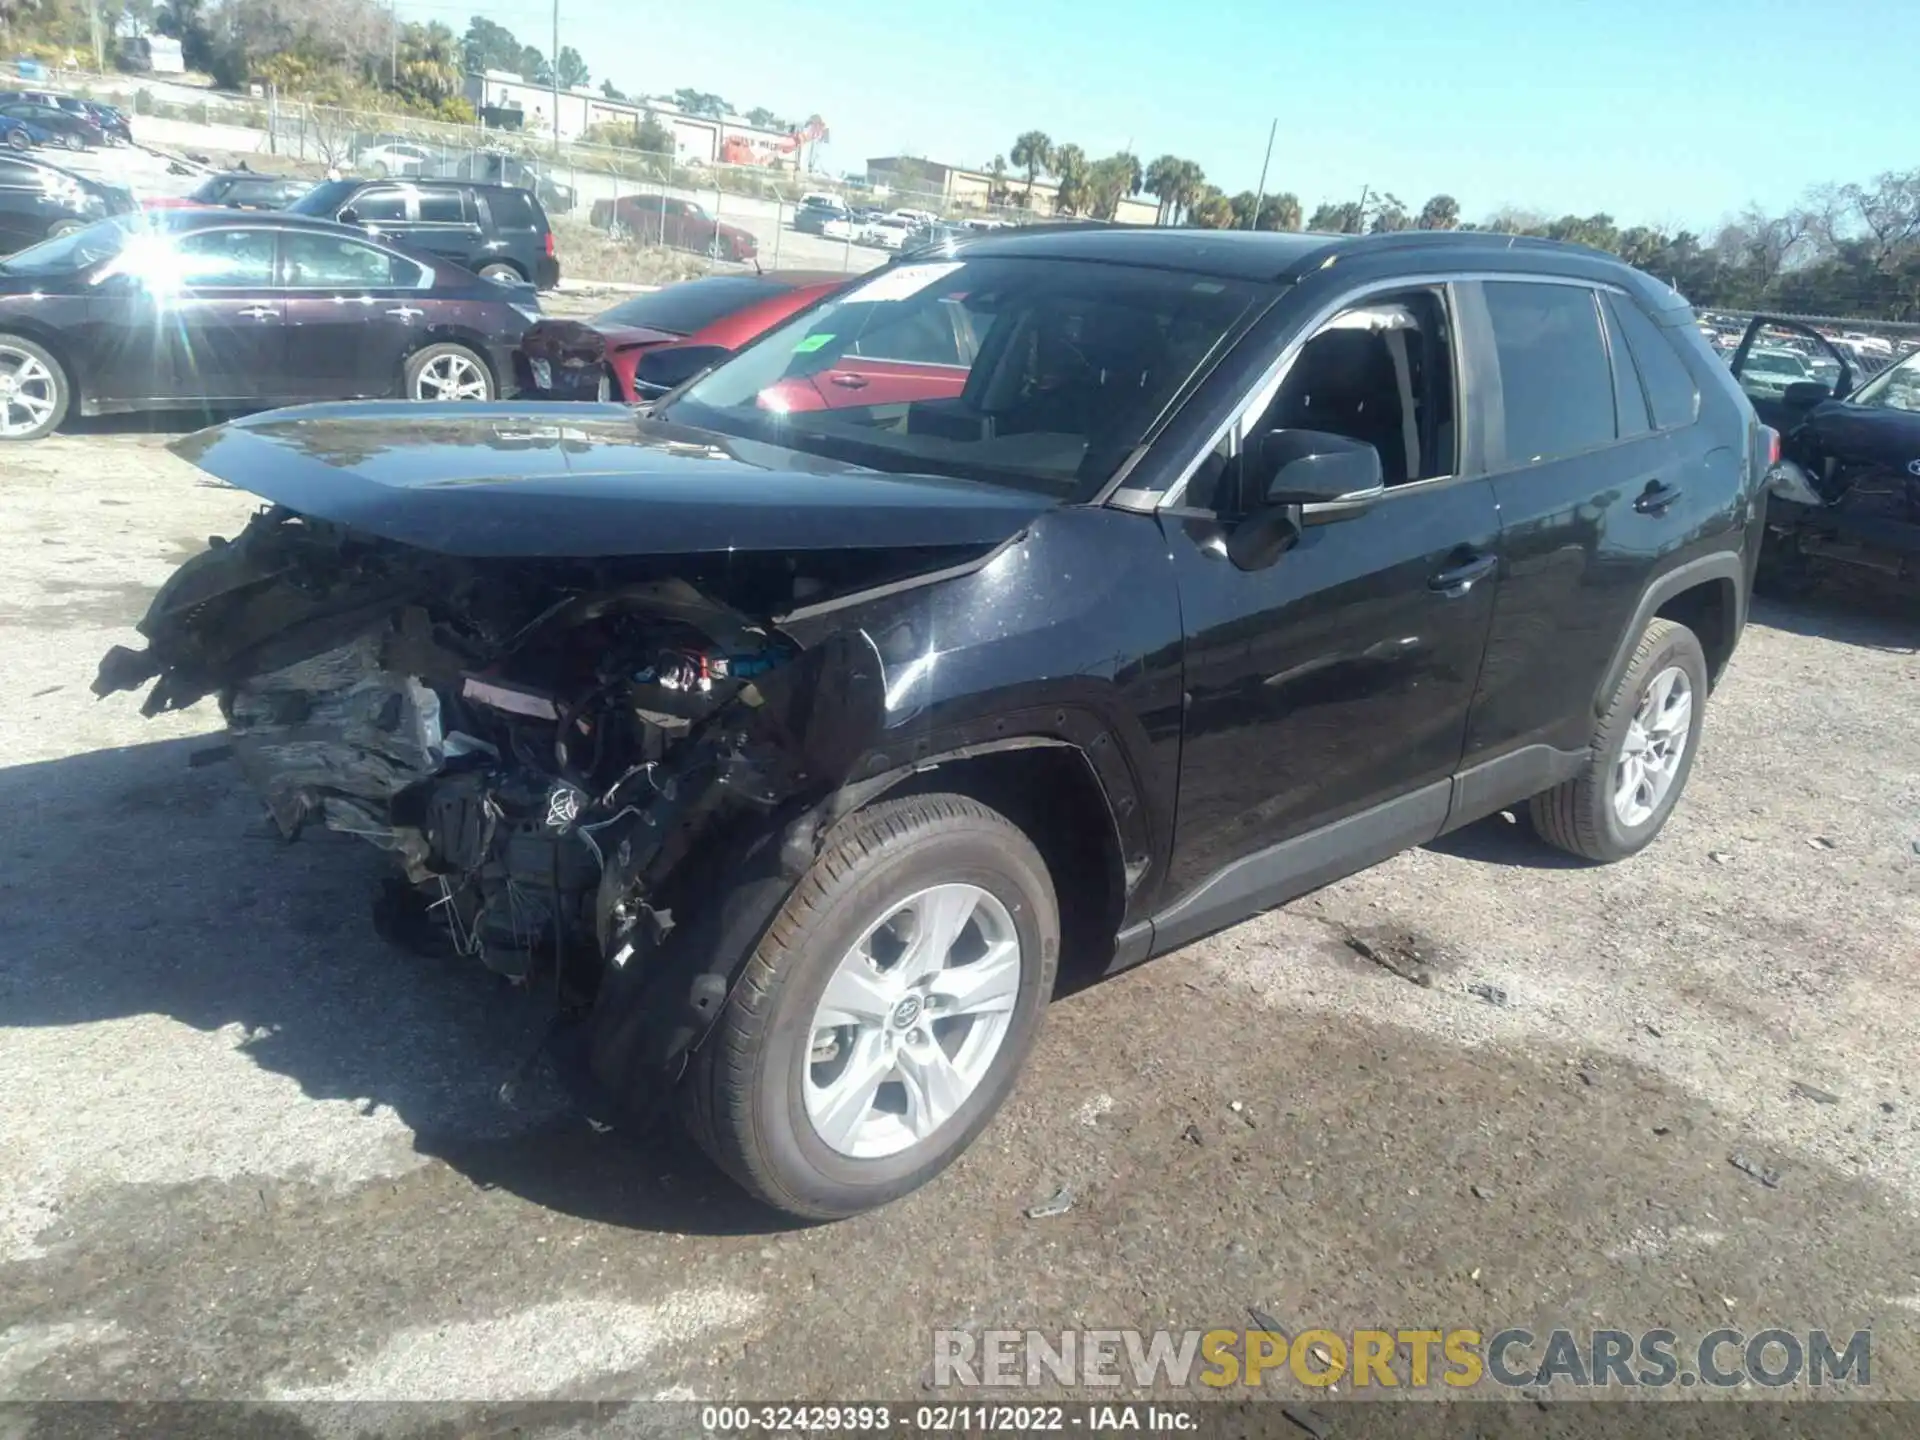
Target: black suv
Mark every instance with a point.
(1039, 610)
(499, 231)
(39, 201)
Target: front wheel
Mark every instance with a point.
(886, 1013)
(1640, 756)
(448, 372)
(73, 141)
(18, 139)
(34, 390)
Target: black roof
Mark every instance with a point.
(1286, 256)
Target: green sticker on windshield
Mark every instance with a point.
(810, 344)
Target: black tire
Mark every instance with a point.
(1580, 816)
(18, 138)
(743, 1097)
(73, 141)
(499, 270)
(379, 170)
(14, 349)
(425, 356)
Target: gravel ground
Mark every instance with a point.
(249, 1151)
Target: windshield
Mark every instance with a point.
(1039, 373)
(690, 306)
(65, 254)
(1895, 388)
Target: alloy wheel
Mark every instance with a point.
(911, 1021)
(1655, 744)
(450, 377)
(28, 392)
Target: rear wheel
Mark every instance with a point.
(1641, 754)
(34, 391)
(886, 1013)
(502, 272)
(448, 372)
(73, 141)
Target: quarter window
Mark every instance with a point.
(312, 260)
(1670, 387)
(1630, 401)
(1555, 379)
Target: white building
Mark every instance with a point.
(697, 139)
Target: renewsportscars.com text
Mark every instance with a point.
(1409, 1359)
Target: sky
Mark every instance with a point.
(1669, 112)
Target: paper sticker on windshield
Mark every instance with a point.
(811, 344)
(899, 284)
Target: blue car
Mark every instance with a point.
(20, 133)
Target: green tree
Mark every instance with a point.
(1073, 173)
(1442, 212)
(1210, 209)
(1385, 214)
(491, 46)
(573, 70)
(997, 191)
(1163, 182)
(1280, 212)
(1343, 218)
(1033, 153)
(701, 102)
(762, 118)
(612, 91)
(428, 69)
(1111, 180)
(652, 136)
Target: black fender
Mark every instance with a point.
(1727, 565)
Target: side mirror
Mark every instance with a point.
(1805, 394)
(671, 366)
(1310, 476)
(349, 216)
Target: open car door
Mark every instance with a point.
(1787, 368)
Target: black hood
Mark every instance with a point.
(573, 480)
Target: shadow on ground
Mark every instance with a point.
(133, 883)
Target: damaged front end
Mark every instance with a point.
(564, 757)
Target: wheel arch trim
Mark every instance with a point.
(1722, 566)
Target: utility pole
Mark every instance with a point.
(99, 52)
(554, 75)
(1364, 191)
(1260, 195)
(393, 45)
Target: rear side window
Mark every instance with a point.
(1555, 378)
(1630, 402)
(383, 202)
(442, 207)
(1670, 388)
(512, 210)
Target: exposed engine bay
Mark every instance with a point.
(537, 742)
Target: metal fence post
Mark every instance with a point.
(779, 224)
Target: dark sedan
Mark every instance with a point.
(218, 311)
(75, 132)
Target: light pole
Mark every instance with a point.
(554, 75)
(1260, 195)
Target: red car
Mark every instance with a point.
(681, 224)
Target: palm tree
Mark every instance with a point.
(1071, 169)
(1210, 209)
(997, 180)
(1442, 212)
(429, 62)
(1033, 153)
(1109, 180)
(1280, 212)
(1163, 181)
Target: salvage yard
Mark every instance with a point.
(249, 1150)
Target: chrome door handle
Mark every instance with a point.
(260, 312)
(406, 312)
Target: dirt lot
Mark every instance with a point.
(248, 1150)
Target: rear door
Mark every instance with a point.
(1593, 492)
(354, 311)
(444, 221)
(379, 210)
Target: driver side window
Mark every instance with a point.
(1381, 373)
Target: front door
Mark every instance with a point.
(194, 319)
(354, 311)
(1787, 368)
(1328, 691)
